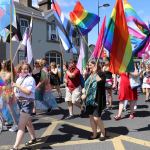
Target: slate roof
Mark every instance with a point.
(21, 9)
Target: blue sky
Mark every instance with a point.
(141, 7)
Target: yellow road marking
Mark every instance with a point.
(116, 140)
(117, 144)
(136, 141)
(77, 142)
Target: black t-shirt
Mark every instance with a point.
(37, 77)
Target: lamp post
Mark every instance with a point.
(99, 6)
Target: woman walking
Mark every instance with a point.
(7, 94)
(146, 83)
(126, 93)
(25, 93)
(95, 100)
(54, 79)
(109, 83)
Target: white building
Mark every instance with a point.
(45, 40)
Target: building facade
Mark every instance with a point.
(45, 39)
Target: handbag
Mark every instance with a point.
(109, 83)
(134, 82)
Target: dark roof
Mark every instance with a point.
(21, 9)
(43, 2)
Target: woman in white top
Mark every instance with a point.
(24, 89)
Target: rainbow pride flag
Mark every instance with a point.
(132, 16)
(84, 20)
(117, 41)
(2, 83)
(5, 13)
(98, 50)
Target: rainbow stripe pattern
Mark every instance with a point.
(84, 20)
(117, 41)
(2, 83)
(131, 15)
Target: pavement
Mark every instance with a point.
(54, 132)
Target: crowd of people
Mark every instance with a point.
(25, 90)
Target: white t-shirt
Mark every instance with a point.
(28, 83)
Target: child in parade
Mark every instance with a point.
(24, 89)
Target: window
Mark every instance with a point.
(21, 56)
(24, 23)
(52, 34)
(54, 57)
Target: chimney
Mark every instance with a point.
(45, 5)
(27, 3)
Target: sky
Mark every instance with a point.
(140, 6)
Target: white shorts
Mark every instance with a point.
(145, 85)
(73, 96)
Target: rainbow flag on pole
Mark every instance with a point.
(117, 41)
(132, 16)
(84, 20)
(97, 53)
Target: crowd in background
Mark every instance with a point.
(25, 90)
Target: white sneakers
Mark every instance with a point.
(14, 128)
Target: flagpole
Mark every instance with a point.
(20, 43)
(62, 52)
(11, 40)
(83, 38)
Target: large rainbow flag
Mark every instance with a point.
(132, 16)
(117, 41)
(140, 39)
(84, 20)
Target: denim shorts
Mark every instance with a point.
(26, 106)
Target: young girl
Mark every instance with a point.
(24, 89)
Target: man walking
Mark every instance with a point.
(73, 88)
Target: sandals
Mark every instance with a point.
(30, 142)
(102, 138)
(117, 118)
(131, 116)
(93, 138)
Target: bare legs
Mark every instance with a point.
(11, 110)
(121, 106)
(24, 120)
(147, 94)
(109, 96)
(70, 108)
(58, 90)
(96, 122)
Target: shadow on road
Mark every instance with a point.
(116, 131)
(39, 125)
(144, 129)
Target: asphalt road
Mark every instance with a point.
(54, 132)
